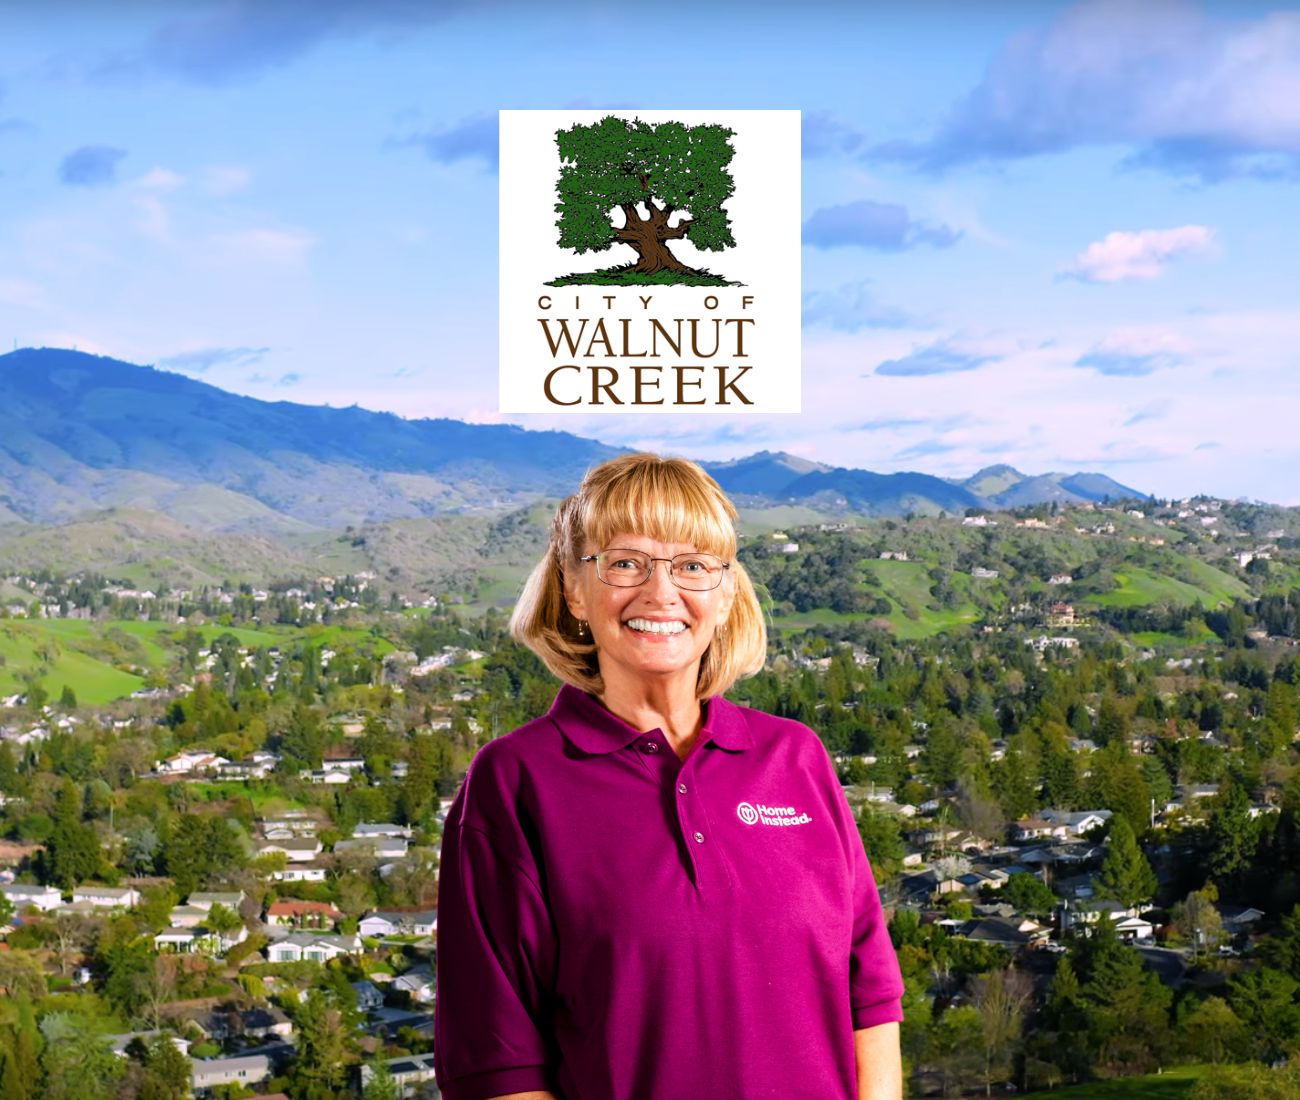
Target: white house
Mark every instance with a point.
(21, 895)
(409, 1073)
(300, 872)
(296, 849)
(399, 923)
(248, 1069)
(107, 897)
(380, 828)
(312, 947)
(381, 847)
(206, 899)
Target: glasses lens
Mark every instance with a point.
(697, 572)
(623, 568)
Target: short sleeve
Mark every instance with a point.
(875, 980)
(496, 957)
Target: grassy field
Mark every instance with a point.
(1173, 1084)
(93, 658)
(906, 584)
(1138, 587)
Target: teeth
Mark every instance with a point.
(656, 628)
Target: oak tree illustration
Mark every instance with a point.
(624, 182)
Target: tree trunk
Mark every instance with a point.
(649, 236)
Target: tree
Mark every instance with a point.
(1001, 999)
(1029, 894)
(78, 1063)
(1196, 920)
(883, 843)
(631, 164)
(381, 1085)
(324, 1045)
(1125, 874)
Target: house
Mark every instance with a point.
(293, 913)
(380, 847)
(248, 1069)
(301, 872)
(417, 983)
(982, 573)
(187, 916)
(297, 849)
(119, 1043)
(107, 897)
(384, 828)
(368, 996)
(265, 1022)
(409, 1073)
(312, 947)
(175, 941)
(996, 930)
(400, 923)
(23, 895)
(206, 899)
(190, 763)
(1061, 614)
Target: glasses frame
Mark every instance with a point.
(672, 573)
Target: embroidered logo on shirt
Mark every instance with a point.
(770, 815)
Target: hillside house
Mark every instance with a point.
(292, 913)
(210, 1073)
(22, 895)
(107, 897)
(301, 872)
(297, 849)
(410, 1073)
(312, 947)
(391, 922)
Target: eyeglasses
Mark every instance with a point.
(629, 568)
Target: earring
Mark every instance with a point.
(582, 628)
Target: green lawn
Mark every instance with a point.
(82, 654)
(1137, 587)
(1173, 1084)
(906, 584)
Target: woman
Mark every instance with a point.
(652, 893)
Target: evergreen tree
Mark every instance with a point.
(1125, 874)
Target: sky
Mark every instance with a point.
(1061, 236)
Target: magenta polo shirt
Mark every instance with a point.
(617, 924)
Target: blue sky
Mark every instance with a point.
(1062, 236)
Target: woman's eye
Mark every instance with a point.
(693, 566)
(625, 564)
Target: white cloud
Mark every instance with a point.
(160, 179)
(1121, 255)
(1193, 93)
(221, 180)
(282, 247)
(21, 293)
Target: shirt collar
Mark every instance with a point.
(585, 721)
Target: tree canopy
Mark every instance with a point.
(620, 164)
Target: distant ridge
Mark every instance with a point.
(81, 435)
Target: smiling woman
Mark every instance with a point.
(650, 891)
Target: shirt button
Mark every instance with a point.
(699, 838)
(681, 788)
(651, 746)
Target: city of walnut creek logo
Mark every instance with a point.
(676, 173)
(758, 813)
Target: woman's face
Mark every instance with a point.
(655, 630)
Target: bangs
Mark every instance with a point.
(667, 500)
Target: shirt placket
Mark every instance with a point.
(694, 833)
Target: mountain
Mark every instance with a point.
(1004, 486)
(80, 433)
(94, 444)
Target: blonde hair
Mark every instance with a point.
(668, 499)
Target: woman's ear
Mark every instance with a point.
(573, 594)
